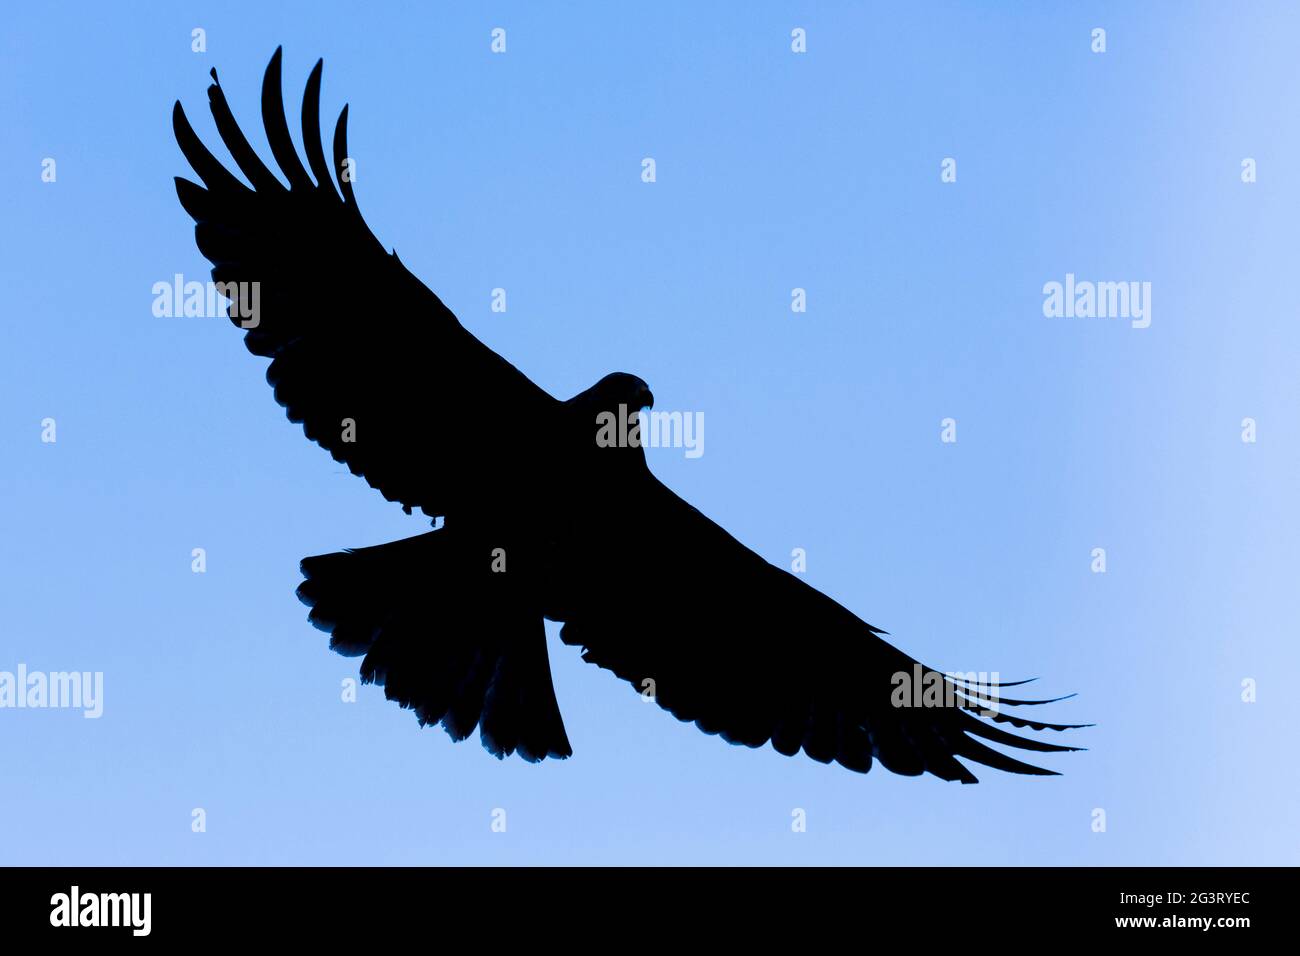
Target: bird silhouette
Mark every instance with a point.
(540, 518)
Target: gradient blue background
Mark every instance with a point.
(822, 430)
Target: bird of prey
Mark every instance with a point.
(539, 522)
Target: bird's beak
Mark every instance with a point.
(646, 398)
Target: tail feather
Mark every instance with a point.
(434, 630)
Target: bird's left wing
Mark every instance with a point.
(749, 651)
(378, 371)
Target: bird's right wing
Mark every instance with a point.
(752, 652)
(378, 371)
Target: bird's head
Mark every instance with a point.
(616, 392)
(611, 406)
(621, 389)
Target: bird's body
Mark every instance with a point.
(542, 521)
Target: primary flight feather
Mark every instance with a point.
(543, 522)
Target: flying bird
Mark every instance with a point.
(539, 521)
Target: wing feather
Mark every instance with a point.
(356, 341)
(758, 656)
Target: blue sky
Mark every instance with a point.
(775, 170)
